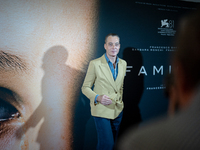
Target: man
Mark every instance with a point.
(107, 75)
(182, 130)
(40, 71)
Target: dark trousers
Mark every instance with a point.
(107, 132)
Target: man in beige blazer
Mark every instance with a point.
(106, 74)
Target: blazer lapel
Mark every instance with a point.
(120, 74)
(107, 72)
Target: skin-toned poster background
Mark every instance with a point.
(45, 47)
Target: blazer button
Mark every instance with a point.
(115, 92)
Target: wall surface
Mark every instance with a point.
(45, 48)
(146, 30)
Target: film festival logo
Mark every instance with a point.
(166, 28)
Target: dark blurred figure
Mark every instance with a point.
(182, 130)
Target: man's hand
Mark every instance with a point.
(104, 100)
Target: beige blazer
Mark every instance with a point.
(100, 75)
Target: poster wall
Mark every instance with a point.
(147, 30)
(45, 48)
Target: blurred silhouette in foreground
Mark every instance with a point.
(180, 131)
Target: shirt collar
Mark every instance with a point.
(108, 60)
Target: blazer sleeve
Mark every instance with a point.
(89, 82)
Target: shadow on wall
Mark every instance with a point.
(57, 101)
(84, 131)
(133, 89)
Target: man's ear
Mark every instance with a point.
(105, 45)
(182, 84)
(179, 77)
(183, 79)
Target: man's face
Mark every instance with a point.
(112, 46)
(39, 65)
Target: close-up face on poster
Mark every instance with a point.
(45, 50)
(44, 47)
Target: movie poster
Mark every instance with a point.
(45, 48)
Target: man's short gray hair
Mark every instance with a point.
(111, 34)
